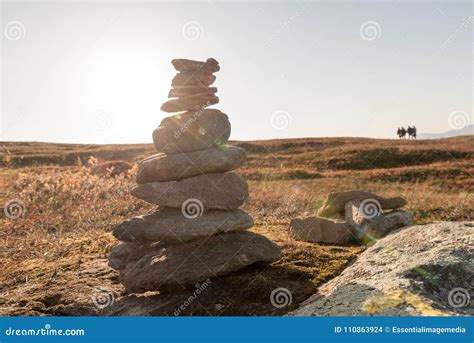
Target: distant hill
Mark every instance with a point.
(468, 130)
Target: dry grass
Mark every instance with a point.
(54, 256)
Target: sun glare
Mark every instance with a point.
(122, 92)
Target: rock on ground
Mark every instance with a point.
(376, 226)
(161, 167)
(320, 230)
(162, 267)
(171, 225)
(336, 201)
(420, 271)
(221, 191)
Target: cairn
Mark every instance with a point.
(198, 231)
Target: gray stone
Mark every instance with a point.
(162, 167)
(187, 91)
(336, 201)
(182, 64)
(166, 267)
(173, 225)
(192, 131)
(375, 225)
(200, 78)
(124, 253)
(190, 103)
(423, 270)
(221, 191)
(321, 230)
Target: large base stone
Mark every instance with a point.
(159, 267)
(423, 270)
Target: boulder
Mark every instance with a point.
(421, 270)
(172, 225)
(190, 103)
(182, 64)
(168, 267)
(336, 201)
(162, 167)
(187, 91)
(192, 131)
(222, 191)
(377, 225)
(321, 230)
(199, 78)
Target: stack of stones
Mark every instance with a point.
(353, 216)
(198, 231)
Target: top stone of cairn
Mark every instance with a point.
(181, 64)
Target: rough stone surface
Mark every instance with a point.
(171, 225)
(411, 271)
(376, 226)
(165, 267)
(192, 131)
(201, 78)
(222, 191)
(187, 91)
(162, 167)
(182, 64)
(321, 230)
(190, 103)
(336, 201)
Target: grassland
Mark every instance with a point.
(53, 257)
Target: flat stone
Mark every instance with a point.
(168, 267)
(336, 201)
(187, 91)
(162, 167)
(182, 64)
(222, 191)
(192, 131)
(173, 225)
(374, 225)
(200, 78)
(321, 230)
(423, 270)
(190, 103)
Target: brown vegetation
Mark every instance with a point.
(53, 256)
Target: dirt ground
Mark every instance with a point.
(54, 255)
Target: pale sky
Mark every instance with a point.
(98, 72)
